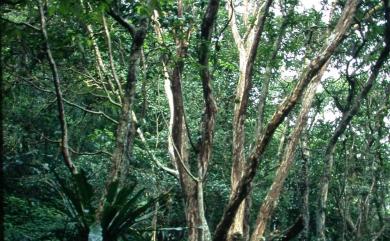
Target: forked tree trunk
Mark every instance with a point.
(192, 185)
(253, 159)
(239, 229)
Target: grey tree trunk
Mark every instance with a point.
(345, 120)
(253, 160)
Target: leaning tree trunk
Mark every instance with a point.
(273, 194)
(345, 120)
(253, 160)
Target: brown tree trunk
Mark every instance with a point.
(191, 185)
(60, 102)
(177, 144)
(125, 129)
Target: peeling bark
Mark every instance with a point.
(247, 55)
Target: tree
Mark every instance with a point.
(218, 102)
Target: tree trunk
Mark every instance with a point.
(247, 54)
(253, 160)
(125, 130)
(345, 120)
(191, 185)
(60, 102)
(273, 194)
(306, 189)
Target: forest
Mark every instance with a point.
(195, 120)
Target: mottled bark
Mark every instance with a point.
(210, 104)
(125, 131)
(253, 160)
(192, 185)
(273, 194)
(345, 120)
(247, 55)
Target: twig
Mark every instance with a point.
(21, 23)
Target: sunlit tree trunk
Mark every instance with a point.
(247, 47)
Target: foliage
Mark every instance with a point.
(90, 204)
(123, 207)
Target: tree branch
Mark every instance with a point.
(233, 23)
(91, 111)
(172, 172)
(210, 105)
(244, 186)
(56, 79)
(22, 23)
(128, 26)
